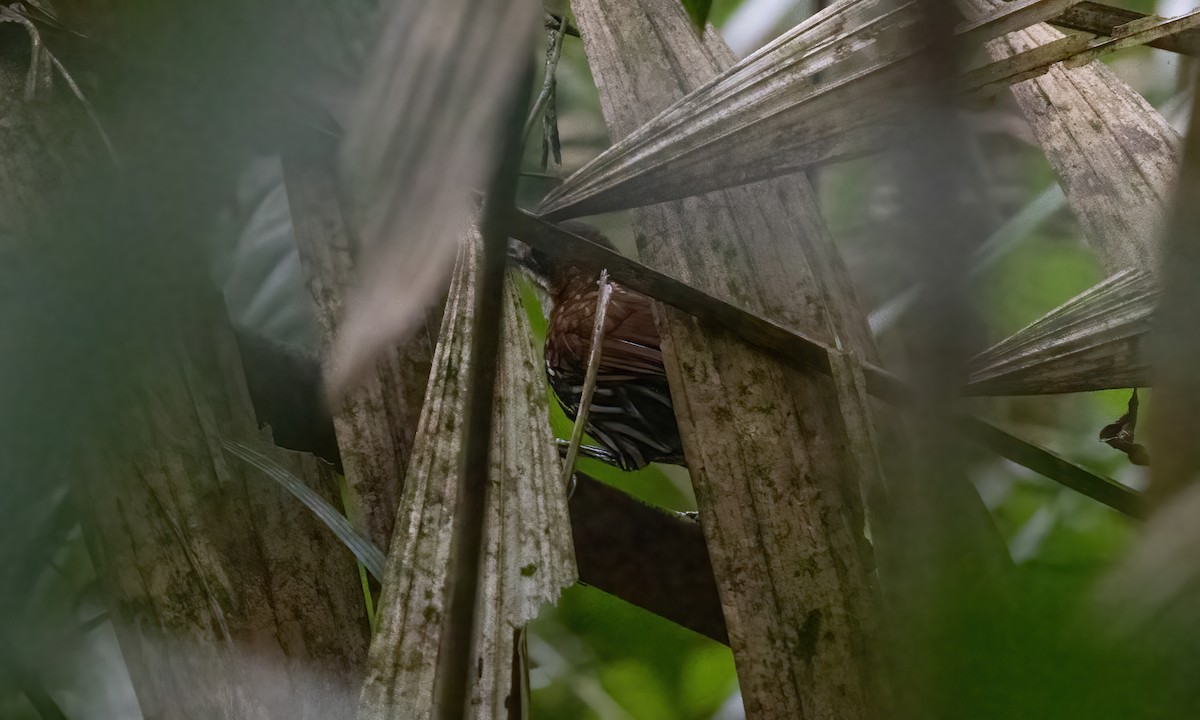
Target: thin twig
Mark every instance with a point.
(1101, 19)
(541, 175)
(1073, 51)
(1121, 498)
(87, 106)
(589, 381)
(561, 22)
(553, 53)
(588, 451)
(551, 143)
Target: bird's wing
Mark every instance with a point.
(631, 341)
(631, 345)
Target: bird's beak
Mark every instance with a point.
(519, 254)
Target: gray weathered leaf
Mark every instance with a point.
(759, 435)
(820, 92)
(1116, 157)
(829, 89)
(421, 135)
(527, 537)
(1094, 341)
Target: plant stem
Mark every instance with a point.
(589, 382)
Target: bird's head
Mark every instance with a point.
(547, 270)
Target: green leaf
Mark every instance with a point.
(698, 10)
(638, 688)
(706, 680)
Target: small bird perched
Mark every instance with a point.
(631, 413)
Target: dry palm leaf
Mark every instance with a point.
(527, 535)
(828, 89)
(816, 94)
(1076, 50)
(1116, 157)
(1011, 16)
(763, 440)
(421, 135)
(1114, 153)
(376, 421)
(1101, 19)
(1094, 341)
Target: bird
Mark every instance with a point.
(631, 413)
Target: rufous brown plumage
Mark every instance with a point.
(631, 412)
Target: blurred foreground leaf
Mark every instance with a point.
(423, 134)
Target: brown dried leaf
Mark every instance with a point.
(1120, 434)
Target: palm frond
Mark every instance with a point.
(376, 421)
(422, 133)
(821, 92)
(827, 90)
(1115, 156)
(528, 556)
(1094, 341)
(1102, 19)
(763, 248)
